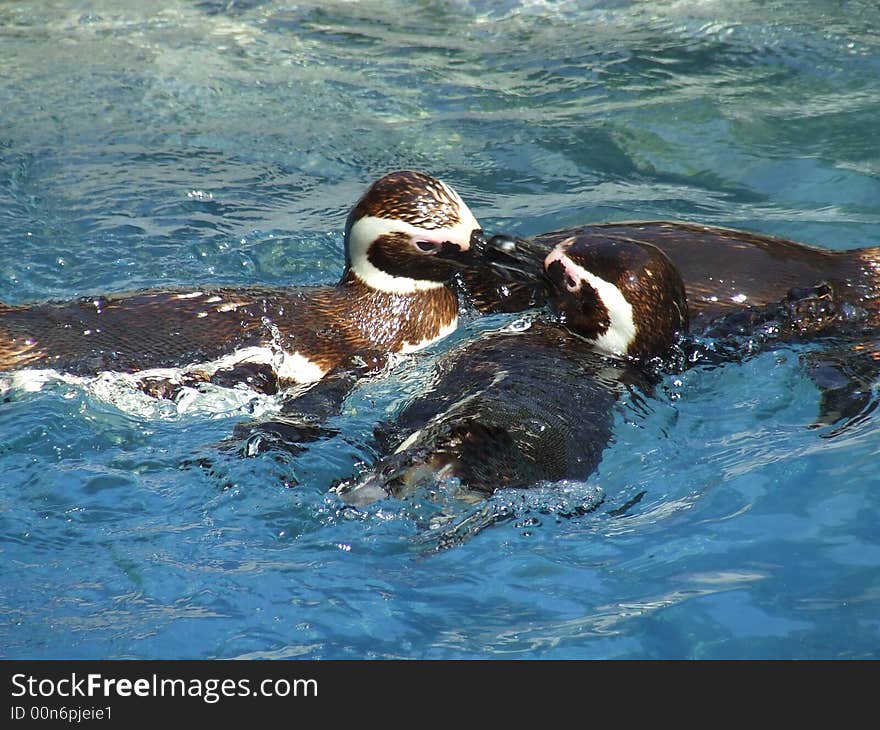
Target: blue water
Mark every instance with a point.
(147, 144)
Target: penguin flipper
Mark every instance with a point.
(452, 530)
(303, 416)
(803, 314)
(806, 315)
(848, 379)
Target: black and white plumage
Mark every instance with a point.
(624, 297)
(516, 408)
(724, 270)
(393, 296)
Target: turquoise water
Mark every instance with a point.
(160, 144)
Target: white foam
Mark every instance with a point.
(123, 389)
(33, 381)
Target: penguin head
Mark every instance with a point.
(408, 232)
(625, 297)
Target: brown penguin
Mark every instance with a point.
(723, 270)
(393, 296)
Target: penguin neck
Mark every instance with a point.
(398, 321)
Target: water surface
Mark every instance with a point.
(161, 144)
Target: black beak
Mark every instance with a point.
(465, 259)
(478, 240)
(514, 259)
(458, 257)
(509, 258)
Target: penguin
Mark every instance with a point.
(513, 409)
(724, 270)
(745, 293)
(731, 293)
(394, 296)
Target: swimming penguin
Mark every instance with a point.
(515, 408)
(723, 270)
(393, 296)
(744, 292)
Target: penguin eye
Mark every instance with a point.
(426, 246)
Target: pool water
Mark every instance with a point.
(160, 144)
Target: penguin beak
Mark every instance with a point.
(478, 240)
(514, 259)
(509, 258)
(464, 258)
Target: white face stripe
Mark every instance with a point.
(369, 228)
(362, 234)
(621, 332)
